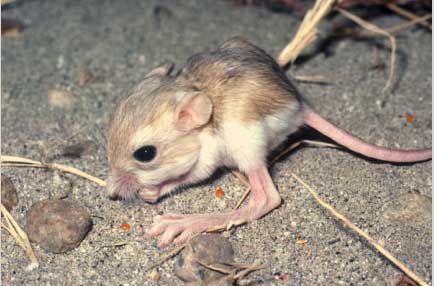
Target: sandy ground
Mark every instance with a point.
(119, 41)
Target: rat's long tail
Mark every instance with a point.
(357, 145)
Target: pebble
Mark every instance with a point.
(155, 275)
(85, 77)
(58, 225)
(208, 249)
(60, 98)
(410, 208)
(9, 196)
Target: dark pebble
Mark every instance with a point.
(208, 249)
(9, 196)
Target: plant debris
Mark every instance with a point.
(13, 161)
(301, 241)
(20, 236)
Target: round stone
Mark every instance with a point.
(208, 249)
(58, 225)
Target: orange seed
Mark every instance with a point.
(301, 241)
(125, 226)
(410, 118)
(219, 193)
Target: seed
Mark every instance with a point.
(125, 227)
(219, 193)
(410, 118)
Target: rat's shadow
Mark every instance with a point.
(307, 133)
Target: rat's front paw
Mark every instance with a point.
(179, 228)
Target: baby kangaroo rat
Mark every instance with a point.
(229, 107)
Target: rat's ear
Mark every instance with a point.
(161, 71)
(194, 111)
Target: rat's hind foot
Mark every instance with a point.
(178, 228)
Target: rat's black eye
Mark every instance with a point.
(145, 153)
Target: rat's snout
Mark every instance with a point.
(123, 186)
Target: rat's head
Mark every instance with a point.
(153, 137)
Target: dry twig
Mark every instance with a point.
(375, 29)
(296, 144)
(398, 10)
(20, 236)
(362, 233)
(247, 268)
(13, 161)
(307, 78)
(166, 257)
(405, 25)
(392, 30)
(215, 267)
(307, 32)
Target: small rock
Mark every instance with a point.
(85, 148)
(155, 275)
(85, 77)
(142, 59)
(9, 196)
(208, 249)
(410, 208)
(61, 98)
(58, 225)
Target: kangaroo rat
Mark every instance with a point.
(227, 107)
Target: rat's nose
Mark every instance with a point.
(110, 184)
(113, 196)
(122, 186)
